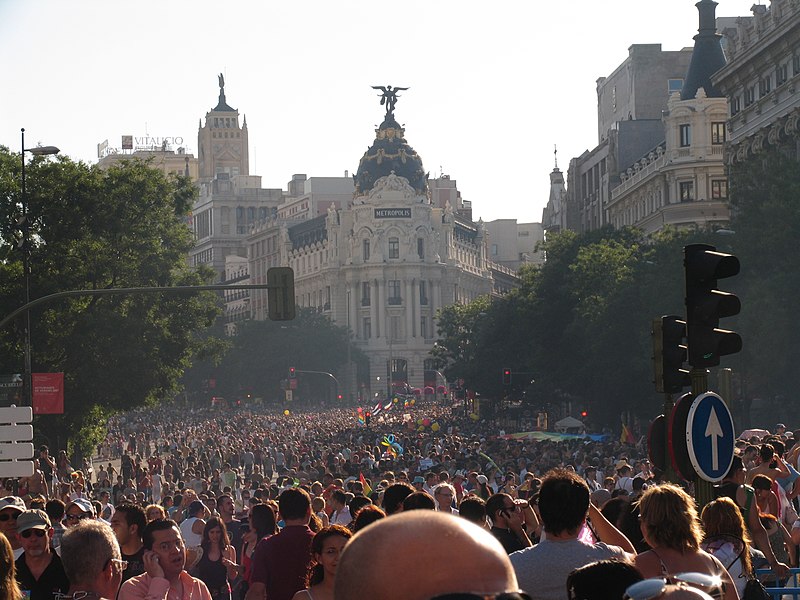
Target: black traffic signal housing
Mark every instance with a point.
(367, 417)
(669, 354)
(706, 305)
(292, 373)
(506, 376)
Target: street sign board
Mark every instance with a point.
(710, 436)
(17, 468)
(13, 451)
(16, 433)
(16, 414)
(288, 395)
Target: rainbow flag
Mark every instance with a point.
(367, 488)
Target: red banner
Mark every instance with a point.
(48, 393)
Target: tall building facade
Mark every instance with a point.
(682, 181)
(231, 201)
(762, 80)
(385, 262)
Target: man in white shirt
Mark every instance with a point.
(341, 512)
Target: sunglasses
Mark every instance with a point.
(7, 516)
(78, 517)
(500, 596)
(29, 532)
(650, 589)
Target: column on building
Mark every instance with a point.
(437, 300)
(381, 312)
(352, 311)
(373, 307)
(409, 308)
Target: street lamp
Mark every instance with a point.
(26, 266)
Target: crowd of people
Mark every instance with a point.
(244, 504)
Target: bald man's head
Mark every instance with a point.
(401, 550)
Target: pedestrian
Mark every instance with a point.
(217, 566)
(92, 562)
(326, 550)
(40, 572)
(280, 562)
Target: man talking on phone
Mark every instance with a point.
(510, 520)
(165, 577)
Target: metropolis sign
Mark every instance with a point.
(392, 213)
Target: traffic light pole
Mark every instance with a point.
(669, 472)
(703, 490)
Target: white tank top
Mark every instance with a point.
(190, 538)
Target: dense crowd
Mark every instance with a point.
(245, 504)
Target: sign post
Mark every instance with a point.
(710, 437)
(16, 449)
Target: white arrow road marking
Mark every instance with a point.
(714, 430)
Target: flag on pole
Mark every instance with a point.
(627, 436)
(367, 488)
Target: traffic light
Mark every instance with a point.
(280, 294)
(506, 376)
(584, 413)
(669, 354)
(705, 305)
(367, 417)
(292, 373)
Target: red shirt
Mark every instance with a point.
(281, 562)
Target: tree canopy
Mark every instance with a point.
(92, 229)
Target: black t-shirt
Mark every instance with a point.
(508, 539)
(135, 564)
(53, 579)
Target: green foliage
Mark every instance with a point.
(579, 325)
(765, 192)
(95, 229)
(260, 354)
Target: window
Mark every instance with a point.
(736, 105)
(494, 249)
(394, 292)
(781, 74)
(719, 189)
(749, 95)
(764, 86)
(423, 292)
(423, 326)
(796, 64)
(394, 247)
(686, 135)
(365, 250)
(367, 328)
(718, 133)
(687, 191)
(365, 293)
(421, 248)
(674, 85)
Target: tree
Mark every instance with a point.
(93, 228)
(261, 353)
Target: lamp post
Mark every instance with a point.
(26, 263)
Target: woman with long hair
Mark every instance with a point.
(326, 548)
(727, 539)
(672, 529)
(217, 567)
(9, 588)
(262, 524)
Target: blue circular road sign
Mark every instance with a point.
(710, 436)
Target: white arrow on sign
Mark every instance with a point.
(714, 431)
(23, 450)
(16, 433)
(16, 468)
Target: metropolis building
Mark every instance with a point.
(383, 263)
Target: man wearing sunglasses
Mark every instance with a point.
(11, 507)
(78, 510)
(40, 573)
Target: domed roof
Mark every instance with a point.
(389, 154)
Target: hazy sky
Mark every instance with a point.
(493, 85)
